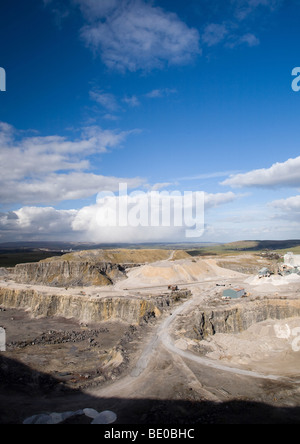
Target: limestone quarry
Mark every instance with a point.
(148, 335)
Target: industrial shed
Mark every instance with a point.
(234, 293)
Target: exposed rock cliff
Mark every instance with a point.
(84, 309)
(240, 317)
(87, 268)
(62, 273)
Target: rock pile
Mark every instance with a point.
(53, 337)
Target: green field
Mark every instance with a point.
(295, 250)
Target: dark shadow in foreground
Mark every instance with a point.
(24, 393)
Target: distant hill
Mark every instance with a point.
(281, 246)
(13, 253)
(79, 246)
(121, 256)
(262, 245)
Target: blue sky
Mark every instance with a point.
(161, 95)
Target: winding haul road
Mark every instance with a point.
(163, 335)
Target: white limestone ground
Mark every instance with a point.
(268, 346)
(275, 280)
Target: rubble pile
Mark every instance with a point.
(54, 338)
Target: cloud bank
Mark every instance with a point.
(35, 170)
(136, 35)
(285, 174)
(96, 223)
(289, 209)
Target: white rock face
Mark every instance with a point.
(292, 259)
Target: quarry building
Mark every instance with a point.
(234, 293)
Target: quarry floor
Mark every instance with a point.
(145, 373)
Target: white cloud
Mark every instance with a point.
(159, 93)
(160, 185)
(228, 34)
(61, 187)
(97, 223)
(237, 26)
(214, 34)
(284, 217)
(100, 222)
(111, 117)
(250, 39)
(44, 219)
(134, 35)
(244, 8)
(246, 39)
(284, 174)
(289, 204)
(96, 9)
(106, 100)
(47, 169)
(132, 101)
(206, 176)
(215, 200)
(37, 223)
